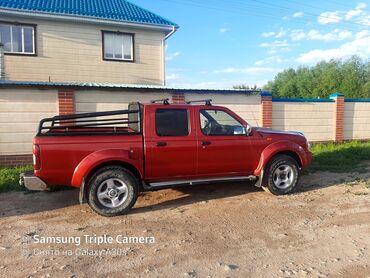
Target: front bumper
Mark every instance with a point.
(31, 182)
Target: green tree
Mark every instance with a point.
(351, 77)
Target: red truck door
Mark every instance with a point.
(224, 149)
(172, 146)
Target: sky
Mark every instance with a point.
(224, 43)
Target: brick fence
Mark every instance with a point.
(330, 119)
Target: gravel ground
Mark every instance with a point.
(218, 230)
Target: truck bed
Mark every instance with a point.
(64, 153)
(63, 142)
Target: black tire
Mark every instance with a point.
(272, 175)
(116, 178)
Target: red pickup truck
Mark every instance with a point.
(112, 156)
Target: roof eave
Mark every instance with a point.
(88, 19)
(118, 87)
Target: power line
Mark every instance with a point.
(309, 13)
(236, 9)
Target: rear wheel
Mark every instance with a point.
(282, 175)
(113, 190)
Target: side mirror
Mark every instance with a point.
(239, 130)
(249, 130)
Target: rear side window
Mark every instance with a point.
(172, 122)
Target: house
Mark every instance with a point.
(101, 41)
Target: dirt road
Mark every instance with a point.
(220, 230)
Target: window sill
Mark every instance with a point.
(118, 60)
(20, 54)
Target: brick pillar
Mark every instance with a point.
(178, 98)
(266, 109)
(66, 102)
(338, 116)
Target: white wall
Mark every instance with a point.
(357, 120)
(72, 52)
(20, 113)
(246, 106)
(93, 101)
(314, 119)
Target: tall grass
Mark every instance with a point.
(9, 178)
(344, 157)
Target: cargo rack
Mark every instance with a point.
(206, 101)
(94, 123)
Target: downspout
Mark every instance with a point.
(170, 33)
(2, 62)
(164, 52)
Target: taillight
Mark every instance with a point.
(36, 157)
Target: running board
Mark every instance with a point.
(200, 181)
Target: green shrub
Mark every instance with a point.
(9, 178)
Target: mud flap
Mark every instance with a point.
(82, 192)
(259, 180)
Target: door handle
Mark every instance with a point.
(206, 143)
(161, 144)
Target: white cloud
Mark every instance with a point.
(173, 76)
(274, 44)
(338, 16)
(281, 33)
(335, 35)
(259, 62)
(224, 30)
(297, 35)
(270, 60)
(362, 34)
(365, 20)
(329, 17)
(360, 46)
(251, 70)
(298, 14)
(268, 34)
(173, 56)
(356, 12)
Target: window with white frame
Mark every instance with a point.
(118, 46)
(17, 39)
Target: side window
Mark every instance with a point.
(172, 122)
(218, 122)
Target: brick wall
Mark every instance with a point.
(266, 109)
(15, 160)
(178, 98)
(338, 116)
(66, 102)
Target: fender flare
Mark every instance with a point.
(95, 159)
(275, 148)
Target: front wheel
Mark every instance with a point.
(282, 175)
(113, 191)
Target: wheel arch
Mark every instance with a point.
(291, 149)
(119, 163)
(290, 153)
(104, 158)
